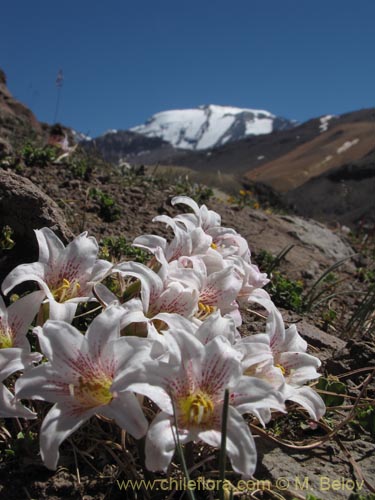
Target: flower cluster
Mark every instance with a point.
(170, 335)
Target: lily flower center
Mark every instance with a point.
(204, 310)
(92, 392)
(282, 368)
(66, 290)
(197, 409)
(6, 337)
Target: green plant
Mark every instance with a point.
(80, 168)
(268, 262)
(359, 496)
(244, 198)
(33, 155)
(6, 241)
(285, 292)
(115, 248)
(366, 418)
(334, 386)
(329, 316)
(321, 290)
(363, 318)
(199, 192)
(109, 211)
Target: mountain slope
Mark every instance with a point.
(123, 145)
(210, 126)
(342, 144)
(17, 122)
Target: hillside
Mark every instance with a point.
(116, 207)
(319, 285)
(17, 122)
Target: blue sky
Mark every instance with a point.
(126, 60)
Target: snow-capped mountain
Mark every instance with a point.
(210, 126)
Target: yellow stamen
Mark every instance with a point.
(6, 339)
(214, 246)
(197, 409)
(204, 310)
(93, 392)
(283, 370)
(66, 291)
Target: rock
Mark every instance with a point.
(5, 148)
(17, 122)
(326, 343)
(315, 234)
(24, 207)
(323, 472)
(315, 247)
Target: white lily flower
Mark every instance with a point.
(252, 279)
(217, 290)
(192, 383)
(280, 358)
(79, 377)
(202, 217)
(12, 360)
(157, 294)
(215, 325)
(66, 274)
(184, 243)
(15, 351)
(16, 319)
(225, 240)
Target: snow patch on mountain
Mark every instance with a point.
(324, 122)
(347, 145)
(210, 126)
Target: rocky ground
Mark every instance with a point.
(295, 456)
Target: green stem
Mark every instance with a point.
(223, 447)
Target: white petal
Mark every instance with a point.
(103, 329)
(10, 408)
(150, 242)
(220, 366)
(300, 367)
(21, 313)
(79, 257)
(105, 295)
(216, 325)
(43, 383)
(160, 443)
(13, 359)
(176, 299)
(58, 425)
(50, 246)
(62, 344)
(25, 272)
(252, 394)
(240, 445)
(186, 200)
(308, 399)
(62, 311)
(127, 412)
(152, 285)
(293, 340)
(100, 270)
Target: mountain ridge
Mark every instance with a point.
(210, 126)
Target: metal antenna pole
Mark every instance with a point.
(59, 84)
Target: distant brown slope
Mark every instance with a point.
(344, 194)
(17, 122)
(340, 145)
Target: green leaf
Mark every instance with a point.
(332, 384)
